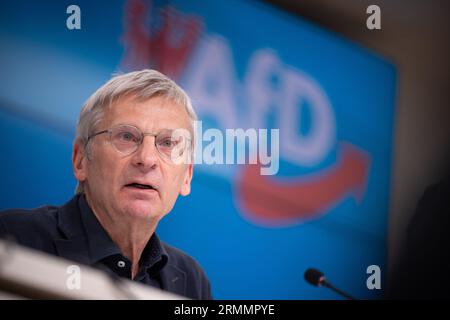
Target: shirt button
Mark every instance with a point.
(121, 264)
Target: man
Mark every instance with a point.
(126, 158)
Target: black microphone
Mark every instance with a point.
(317, 279)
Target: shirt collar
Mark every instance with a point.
(100, 245)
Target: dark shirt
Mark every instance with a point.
(73, 232)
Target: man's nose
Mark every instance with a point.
(146, 156)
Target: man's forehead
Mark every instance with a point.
(130, 108)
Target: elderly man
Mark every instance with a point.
(126, 160)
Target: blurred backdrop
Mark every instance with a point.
(363, 118)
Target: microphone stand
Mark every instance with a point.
(340, 292)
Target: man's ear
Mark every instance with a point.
(79, 161)
(186, 186)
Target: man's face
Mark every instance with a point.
(109, 175)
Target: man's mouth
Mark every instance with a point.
(140, 186)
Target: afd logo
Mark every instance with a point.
(178, 46)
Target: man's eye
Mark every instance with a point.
(167, 143)
(127, 136)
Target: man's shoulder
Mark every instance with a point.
(28, 218)
(196, 276)
(30, 227)
(180, 258)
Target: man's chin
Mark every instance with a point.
(141, 209)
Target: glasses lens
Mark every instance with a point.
(125, 138)
(171, 144)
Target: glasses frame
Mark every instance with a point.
(142, 136)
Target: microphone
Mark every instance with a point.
(317, 279)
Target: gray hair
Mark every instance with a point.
(144, 84)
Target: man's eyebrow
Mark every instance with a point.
(123, 124)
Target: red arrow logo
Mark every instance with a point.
(270, 202)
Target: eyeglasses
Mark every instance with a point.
(173, 145)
